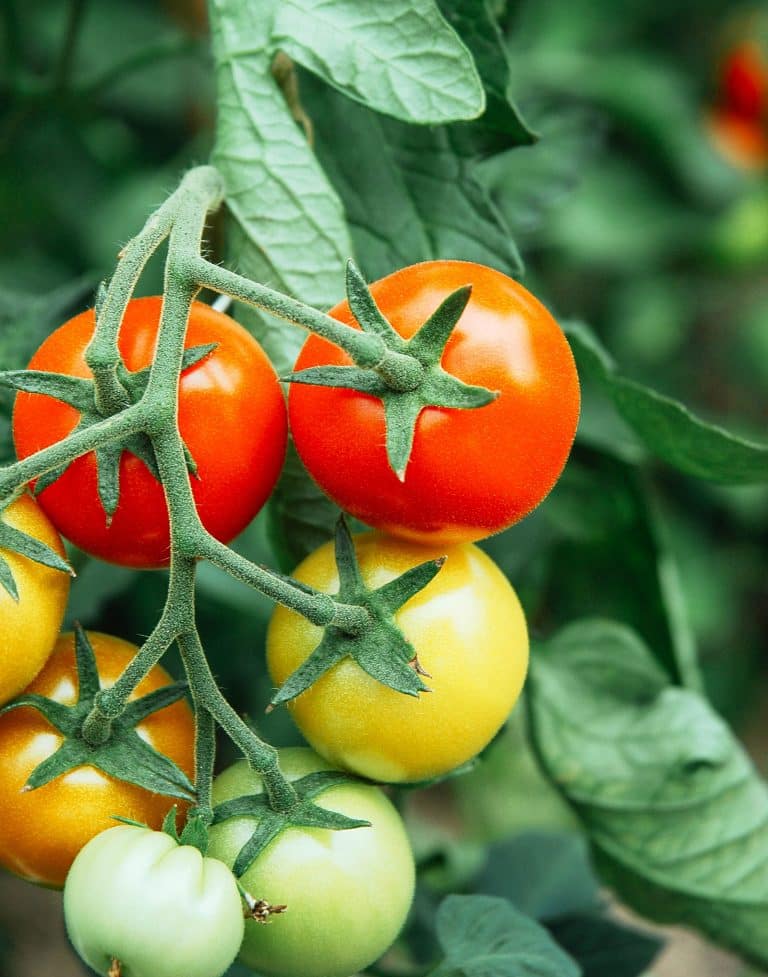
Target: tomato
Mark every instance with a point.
(231, 416)
(347, 893)
(157, 907)
(30, 625)
(744, 82)
(469, 633)
(471, 472)
(43, 829)
(742, 141)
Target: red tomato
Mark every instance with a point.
(471, 472)
(43, 829)
(231, 416)
(744, 82)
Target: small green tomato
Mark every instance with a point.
(138, 904)
(346, 893)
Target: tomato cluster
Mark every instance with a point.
(471, 473)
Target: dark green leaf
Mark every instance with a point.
(668, 428)
(604, 947)
(483, 936)
(675, 811)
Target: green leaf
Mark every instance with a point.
(475, 24)
(676, 812)
(668, 428)
(606, 517)
(483, 936)
(410, 193)
(604, 947)
(400, 58)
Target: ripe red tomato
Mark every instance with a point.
(231, 416)
(44, 829)
(471, 472)
(744, 81)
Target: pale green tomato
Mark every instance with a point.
(159, 908)
(347, 892)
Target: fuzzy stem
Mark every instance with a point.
(365, 349)
(205, 758)
(260, 755)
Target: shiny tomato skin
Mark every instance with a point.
(30, 625)
(231, 415)
(44, 829)
(347, 893)
(470, 635)
(471, 472)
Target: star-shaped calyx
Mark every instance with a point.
(380, 648)
(80, 393)
(410, 376)
(304, 814)
(124, 755)
(14, 541)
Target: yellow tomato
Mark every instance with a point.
(30, 625)
(469, 633)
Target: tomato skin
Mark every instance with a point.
(29, 627)
(470, 635)
(472, 472)
(44, 829)
(231, 416)
(347, 892)
(158, 907)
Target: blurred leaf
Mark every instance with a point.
(527, 182)
(675, 811)
(544, 873)
(401, 59)
(483, 936)
(610, 532)
(668, 428)
(604, 947)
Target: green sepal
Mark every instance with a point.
(381, 650)
(168, 826)
(195, 833)
(125, 755)
(130, 822)
(79, 392)
(13, 540)
(304, 814)
(435, 388)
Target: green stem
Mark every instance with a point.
(366, 350)
(205, 758)
(321, 609)
(68, 49)
(260, 755)
(57, 455)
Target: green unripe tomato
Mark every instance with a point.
(347, 892)
(159, 908)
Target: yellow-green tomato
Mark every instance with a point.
(30, 625)
(347, 892)
(469, 633)
(158, 908)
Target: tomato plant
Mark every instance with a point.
(471, 472)
(44, 828)
(346, 893)
(30, 622)
(137, 899)
(469, 634)
(231, 417)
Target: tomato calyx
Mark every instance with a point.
(380, 649)
(270, 823)
(118, 751)
(408, 377)
(259, 910)
(14, 541)
(82, 394)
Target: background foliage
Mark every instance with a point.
(590, 173)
